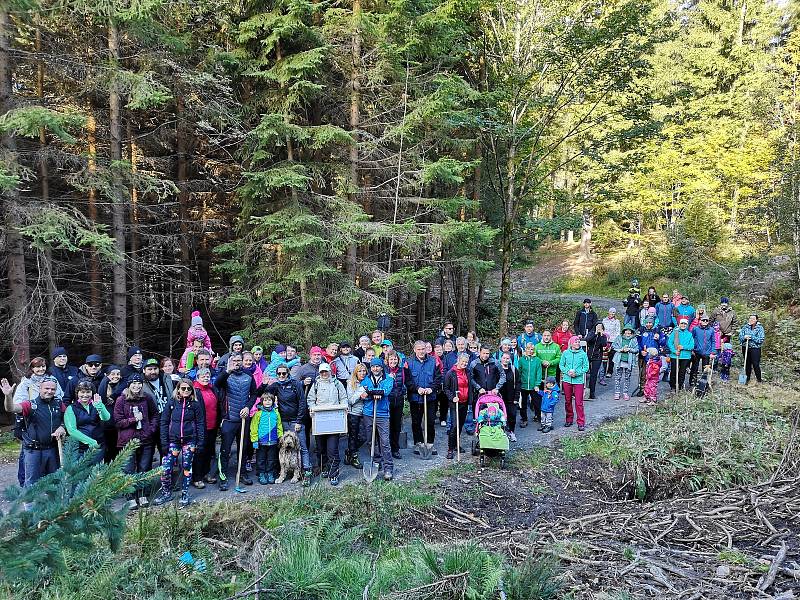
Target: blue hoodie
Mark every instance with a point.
(550, 399)
(276, 360)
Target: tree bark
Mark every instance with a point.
(136, 291)
(119, 332)
(95, 274)
(14, 249)
(355, 121)
(183, 208)
(585, 249)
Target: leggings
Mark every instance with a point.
(185, 453)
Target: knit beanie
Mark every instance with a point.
(58, 351)
(197, 319)
(133, 350)
(573, 339)
(280, 348)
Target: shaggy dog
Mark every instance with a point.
(289, 457)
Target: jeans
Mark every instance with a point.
(574, 390)
(141, 461)
(204, 459)
(267, 460)
(395, 425)
(230, 431)
(177, 454)
(417, 414)
(305, 457)
(39, 463)
(382, 444)
(469, 424)
(330, 445)
(463, 409)
(753, 363)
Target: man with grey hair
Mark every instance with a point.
(424, 382)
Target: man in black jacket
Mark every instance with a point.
(485, 374)
(585, 320)
(238, 391)
(293, 409)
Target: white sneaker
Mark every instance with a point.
(143, 501)
(512, 436)
(131, 505)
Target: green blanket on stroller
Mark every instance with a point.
(493, 438)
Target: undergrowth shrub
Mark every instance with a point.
(735, 436)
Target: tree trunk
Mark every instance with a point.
(183, 208)
(136, 292)
(355, 121)
(585, 249)
(472, 305)
(119, 332)
(14, 249)
(95, 274)
(509, 210)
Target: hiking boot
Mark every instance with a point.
(396, 454)
(132, 505)
(185, 499)
(246, 480)
(542, 428)
(210, 479)
(581, 428)
(223, 485)
(347, 458)
(568, 424)
(434, 452)
(356, 462)
(591, 397)
(388, 475)
(163, 497)
(416, 449)
(547, 429)
(523, 424)
(270, 478)
(262, 479)
(450, 454)
(143, 501)
(512, 436)
(537, 419)
(334, 481)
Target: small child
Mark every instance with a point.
(189, 355)
(266, 430)
(197, 332)
(278, 358)
(550, 396)
(725, 361)
(652, 375)
(491, 415)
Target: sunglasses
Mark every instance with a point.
(282, 373)
(184, 388)
(94, 364)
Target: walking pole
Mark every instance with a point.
(742, 375)
(457, 423)
(60, 451)
(239, 489)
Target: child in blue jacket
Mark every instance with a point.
(550, 397)
(266, 430)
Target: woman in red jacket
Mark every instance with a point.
(456, 388)
(202, 469)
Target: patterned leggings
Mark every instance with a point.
(186, 454)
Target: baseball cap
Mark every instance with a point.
(324, 367)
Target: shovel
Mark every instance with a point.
(742, 374)
(60, 451)
(425, 451)
(238, 489)
(457, 424)
(370, 470)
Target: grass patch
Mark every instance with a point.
(735, 437)
(733, 557)
(534, 459)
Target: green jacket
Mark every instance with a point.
(530, 369)
(550, 353)
(574, 360)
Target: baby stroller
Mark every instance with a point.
(492, 438)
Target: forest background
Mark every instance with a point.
(294, 168)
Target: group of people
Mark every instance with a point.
(192, 412)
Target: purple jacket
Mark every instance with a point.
(126, 422)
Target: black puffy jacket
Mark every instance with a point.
(595, 344)
(292, 404)
(184, 422)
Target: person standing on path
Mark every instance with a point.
(681, 344)
(549, 353)
(204, 464)
(509, 392)
(239, 396)
(530, 368)
(574, 365)
(665, 314)
(294, 409)
(596, 341)
(328, 391)
(648, 338)
(585, 320)
(376, 405)
(397, 372)
(726, 317)
(626, 349)
(528, 336)
(457, 388)
(613, 329)
(751, 337)
(423, 383)
(705, 347)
